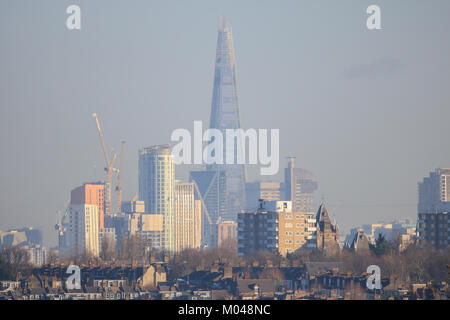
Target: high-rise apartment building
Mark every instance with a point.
(299, 187)
(434, 192)
(225, 115)
(83, 230)
(257, 231)
(188, 215)
(156, 187)
(91, 193)
(275, 227)
(434, 228)
(433, 207)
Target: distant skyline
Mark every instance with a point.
(365, 111)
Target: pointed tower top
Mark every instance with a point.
(322, 212)
(223, 24)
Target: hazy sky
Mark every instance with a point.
(366, 111)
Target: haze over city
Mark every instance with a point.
(365, 112)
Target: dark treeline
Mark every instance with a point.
(415, 264)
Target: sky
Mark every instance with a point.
(365, 111)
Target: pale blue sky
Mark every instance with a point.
(366, 111)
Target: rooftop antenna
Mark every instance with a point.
(223, 23)
(291, 165)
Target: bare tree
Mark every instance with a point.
(18, 258)
(108, 249)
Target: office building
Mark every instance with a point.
(267, 191)
(225, 115)
(210, 188)
(299, 187)
(156, 187)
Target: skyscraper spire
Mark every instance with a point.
(225, 115)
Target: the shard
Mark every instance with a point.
(225, 115)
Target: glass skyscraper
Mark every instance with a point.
(225, 115)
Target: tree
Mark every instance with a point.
(18, 258)
(52, 257)
(381, 246)
(108, 249)
(6, 272)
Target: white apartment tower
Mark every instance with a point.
(188, 217)
(83, 232)
(156, 188)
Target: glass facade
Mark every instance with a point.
(225, 115)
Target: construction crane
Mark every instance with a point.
(61, 227)
(119, 178)
(109, 168)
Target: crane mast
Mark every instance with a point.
(109, 167)
(119, 178)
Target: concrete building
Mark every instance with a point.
(257, 231)
(275, 227)
(296, 230)
(434, 228)
(226, 230)
(433, 208)
(299, 188)
(91, 193)
(37, 254)
(188, 217)
(149, 228)
(27, 236)
(156, 187)
(134, 206)
(434, 192)
(83, 231)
